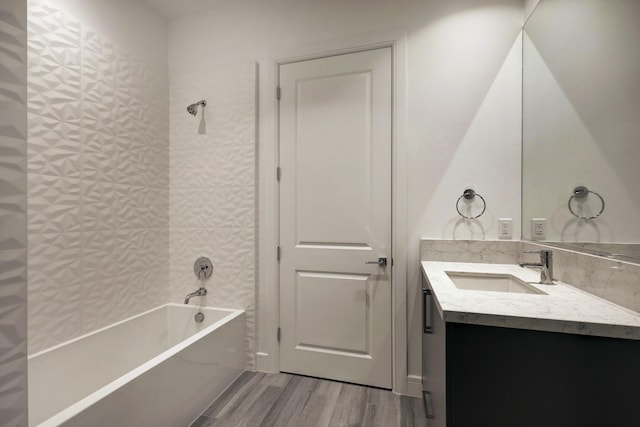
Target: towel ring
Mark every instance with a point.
(469, 194)
(580, 193)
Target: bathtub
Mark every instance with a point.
(159, 368)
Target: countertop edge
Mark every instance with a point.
(607, 330)
(543, 325)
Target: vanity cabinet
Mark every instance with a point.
(434, 364)
(487, 376)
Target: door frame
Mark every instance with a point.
(268, 297)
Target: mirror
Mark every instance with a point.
(581, 126)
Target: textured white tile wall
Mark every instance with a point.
(13, 208)
(98, 175)
(213, 188)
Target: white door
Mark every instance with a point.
(335, 217)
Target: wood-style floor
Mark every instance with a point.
(275, 400)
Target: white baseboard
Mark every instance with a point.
(262, 362)
(414, 385)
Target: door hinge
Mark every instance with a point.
(278, 92)
(278, 173)
(278, 253)
(278, 334)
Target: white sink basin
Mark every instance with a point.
(491, 282)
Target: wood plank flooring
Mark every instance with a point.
(285, 400)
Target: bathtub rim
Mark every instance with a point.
(104, 328)
(89, 400)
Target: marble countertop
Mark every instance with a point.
(563, 308)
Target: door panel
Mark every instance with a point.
(335, 216)
(345, 145)
(347, 295)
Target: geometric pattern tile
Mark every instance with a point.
(98, 180)
(55, 261)
(13, 230)
(56, 314)
(116, 215)
(54, 92)
(212, 184)
(54, 204)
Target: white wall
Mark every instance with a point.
(98, 163)
(13, 222)
(462, 111)
(529, 6)
(463, 131)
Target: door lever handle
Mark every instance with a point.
(382, 262)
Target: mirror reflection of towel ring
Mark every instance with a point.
(580, 194)
(470, 194)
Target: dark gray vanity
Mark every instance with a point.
(496, 370)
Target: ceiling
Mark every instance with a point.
(177, 8)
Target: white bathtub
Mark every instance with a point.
(159, 368)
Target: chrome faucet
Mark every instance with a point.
(199, 293)
(545, 265)
(202, 268)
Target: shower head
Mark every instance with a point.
(193, 108)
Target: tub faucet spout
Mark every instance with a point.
(199, 293)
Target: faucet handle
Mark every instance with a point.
(543, 253)
(540, 253)
(203, 268)
(546, 256)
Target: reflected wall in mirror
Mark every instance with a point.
(581, 124)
